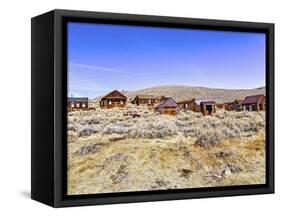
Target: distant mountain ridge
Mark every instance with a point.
(179, 92)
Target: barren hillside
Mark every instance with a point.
(183, 92)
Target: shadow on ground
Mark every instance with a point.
(25, 194)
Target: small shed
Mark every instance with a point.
(208, 107)
(168, 106)
(254, 103)
(77, 103)
(144, 100)
(185, 104)
(113, 99)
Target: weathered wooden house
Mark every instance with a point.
(186, 104)
(144, 100)
(254, 103)
(208, 107)
(168, 106)
(77, 103)
(234, 106)
(195, 106)
(205, 106)
(159, 99)
(113, 99)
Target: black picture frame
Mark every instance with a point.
(49, 100)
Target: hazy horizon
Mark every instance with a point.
(104, 57)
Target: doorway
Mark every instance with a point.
(209, 109)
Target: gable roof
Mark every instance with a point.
(115, 94)
(198, 102)
(77, 99)
(167, 103)
(252, 99)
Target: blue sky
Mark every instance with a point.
(103, 57)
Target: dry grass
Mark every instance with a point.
(110, 151)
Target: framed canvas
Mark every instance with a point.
(134, 108)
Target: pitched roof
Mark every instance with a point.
(77, 99)
(161, 97)
(208, 102)
(238, 101)
(252, 99)
(167, 103)
(115, 94)
(198, 102)
(186, 101)
(145, 96)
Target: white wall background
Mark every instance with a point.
(15, 106)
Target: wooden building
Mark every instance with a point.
(113, 99)
(195, 106)
(208, 107)
(77, 103)
(234, 106)
(221, 105)
(144, 100)
(254, 103)
(159, 99)
(205, 106)
(168, 106)
(186, 104)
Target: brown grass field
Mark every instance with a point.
(110, 151)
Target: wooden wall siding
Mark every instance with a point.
(186, 104)
(148, 100)
(76, 105)
(221, 106)
(108, 103)
(144, 101)
(207, 109)
(260, 105)
(254, 107)
(169, 111)
(194, 107)
(230, 106)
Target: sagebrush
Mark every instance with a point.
(208, 130)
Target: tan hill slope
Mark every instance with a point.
(183, 92)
